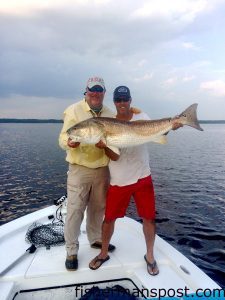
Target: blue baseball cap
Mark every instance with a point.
(121, 92)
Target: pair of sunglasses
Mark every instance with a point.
(119, 100)
(96, 89)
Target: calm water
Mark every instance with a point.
(188, 174)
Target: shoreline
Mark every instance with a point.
(9, 120)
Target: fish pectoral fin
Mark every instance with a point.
(162, 139)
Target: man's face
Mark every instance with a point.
(95, 96)
(122, 106)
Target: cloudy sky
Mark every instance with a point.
(170, 53)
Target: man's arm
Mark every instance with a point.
(68, 121)
(175, 126)
(109, 152)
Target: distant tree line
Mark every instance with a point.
(30, 121)
(212, 121)
(61, 121)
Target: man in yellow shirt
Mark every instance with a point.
(88, 175)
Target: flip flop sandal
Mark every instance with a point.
(111, 247)
(152, 266)
(98, 260)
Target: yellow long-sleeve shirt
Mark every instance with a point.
(85, 155)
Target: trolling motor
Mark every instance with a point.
(61, 210)
(60, 200)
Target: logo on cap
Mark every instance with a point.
(95, 81)
(122, 90)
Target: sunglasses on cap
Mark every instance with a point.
(119, 100)
(96, 89)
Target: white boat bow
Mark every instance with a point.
(42, 274)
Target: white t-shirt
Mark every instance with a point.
(133, 163)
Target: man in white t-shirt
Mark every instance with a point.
(130, 176)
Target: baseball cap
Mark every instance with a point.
(92, 81)
(121, 92)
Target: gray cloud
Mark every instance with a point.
(50, 52)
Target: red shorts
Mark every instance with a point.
(118, 198)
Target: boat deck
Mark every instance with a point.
(46, 268)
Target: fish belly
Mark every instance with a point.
(127, 140)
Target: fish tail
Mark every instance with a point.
(189, 117)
